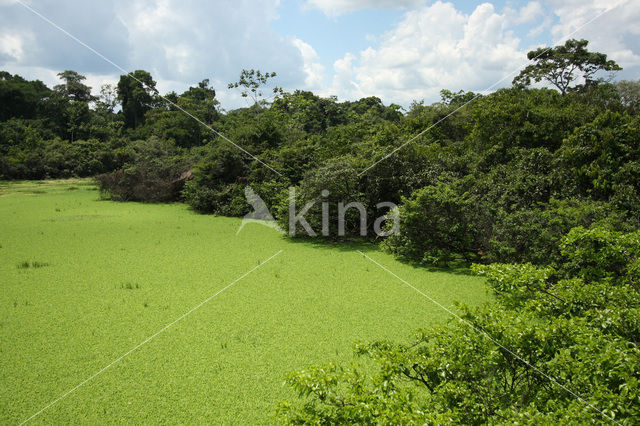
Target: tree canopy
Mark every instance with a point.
(563, 65)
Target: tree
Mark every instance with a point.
(250, 83)
(136, 92)
(438, 226)
(326, 188)
(21, 98)
(563, 65)
(218, 182)
(108, 98)
(604, 158)
(630, 94)
(73, 88)
(204, 101)
(155, 173)
(77, 115)
(169, 121)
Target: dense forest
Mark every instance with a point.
(538, 187)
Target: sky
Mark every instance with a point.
(399, 50)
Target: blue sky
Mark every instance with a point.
(334, 36)
(399, 50)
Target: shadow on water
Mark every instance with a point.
(369, 247)
(347, 245)
(353, 245)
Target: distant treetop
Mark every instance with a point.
(563, 65)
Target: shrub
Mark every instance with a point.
(550, 351)
(437, 226)
(156, 174)
(333, 183)
(218, 182)
(534, 234)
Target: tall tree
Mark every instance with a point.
(21, 98)
(73, 88)
(563, 65)
(204, 101)
(136, 92)
(108, 98)
(251, 83)
(630, 94)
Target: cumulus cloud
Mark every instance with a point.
(44, 46)
(434, 47)
(11, 47)
(194, 39)
(338, 7)
(528, 13)
(313, 69)
(179, 41)
(615, 32)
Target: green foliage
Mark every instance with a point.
(533, 234)
(170, 121)
(604, 158)
(511, 119)
(156, 172)
(20, 98)
(437, 226)
(325, 187)
(217, 182)
(73, 88)
(559, 66)
(250, 83)
(630, 95)
(136, 92)
(310, 113)
(524, 360)
(599, 253)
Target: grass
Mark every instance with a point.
(118, 272)
(26, 264)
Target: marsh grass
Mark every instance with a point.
(130, 286)
(35, 264)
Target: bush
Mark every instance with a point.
(437, 225)
(534, 234)
(604, 159)
(520, 360)
(334, 183)
(156, 174)
(218, 182)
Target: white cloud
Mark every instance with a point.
(334, 8)
(540, 28)
(434, 47)
(616, 32)
(180, 42)
(312, 68)
(188, 40)
(11, 47)
(343, 79)
(530, 12)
